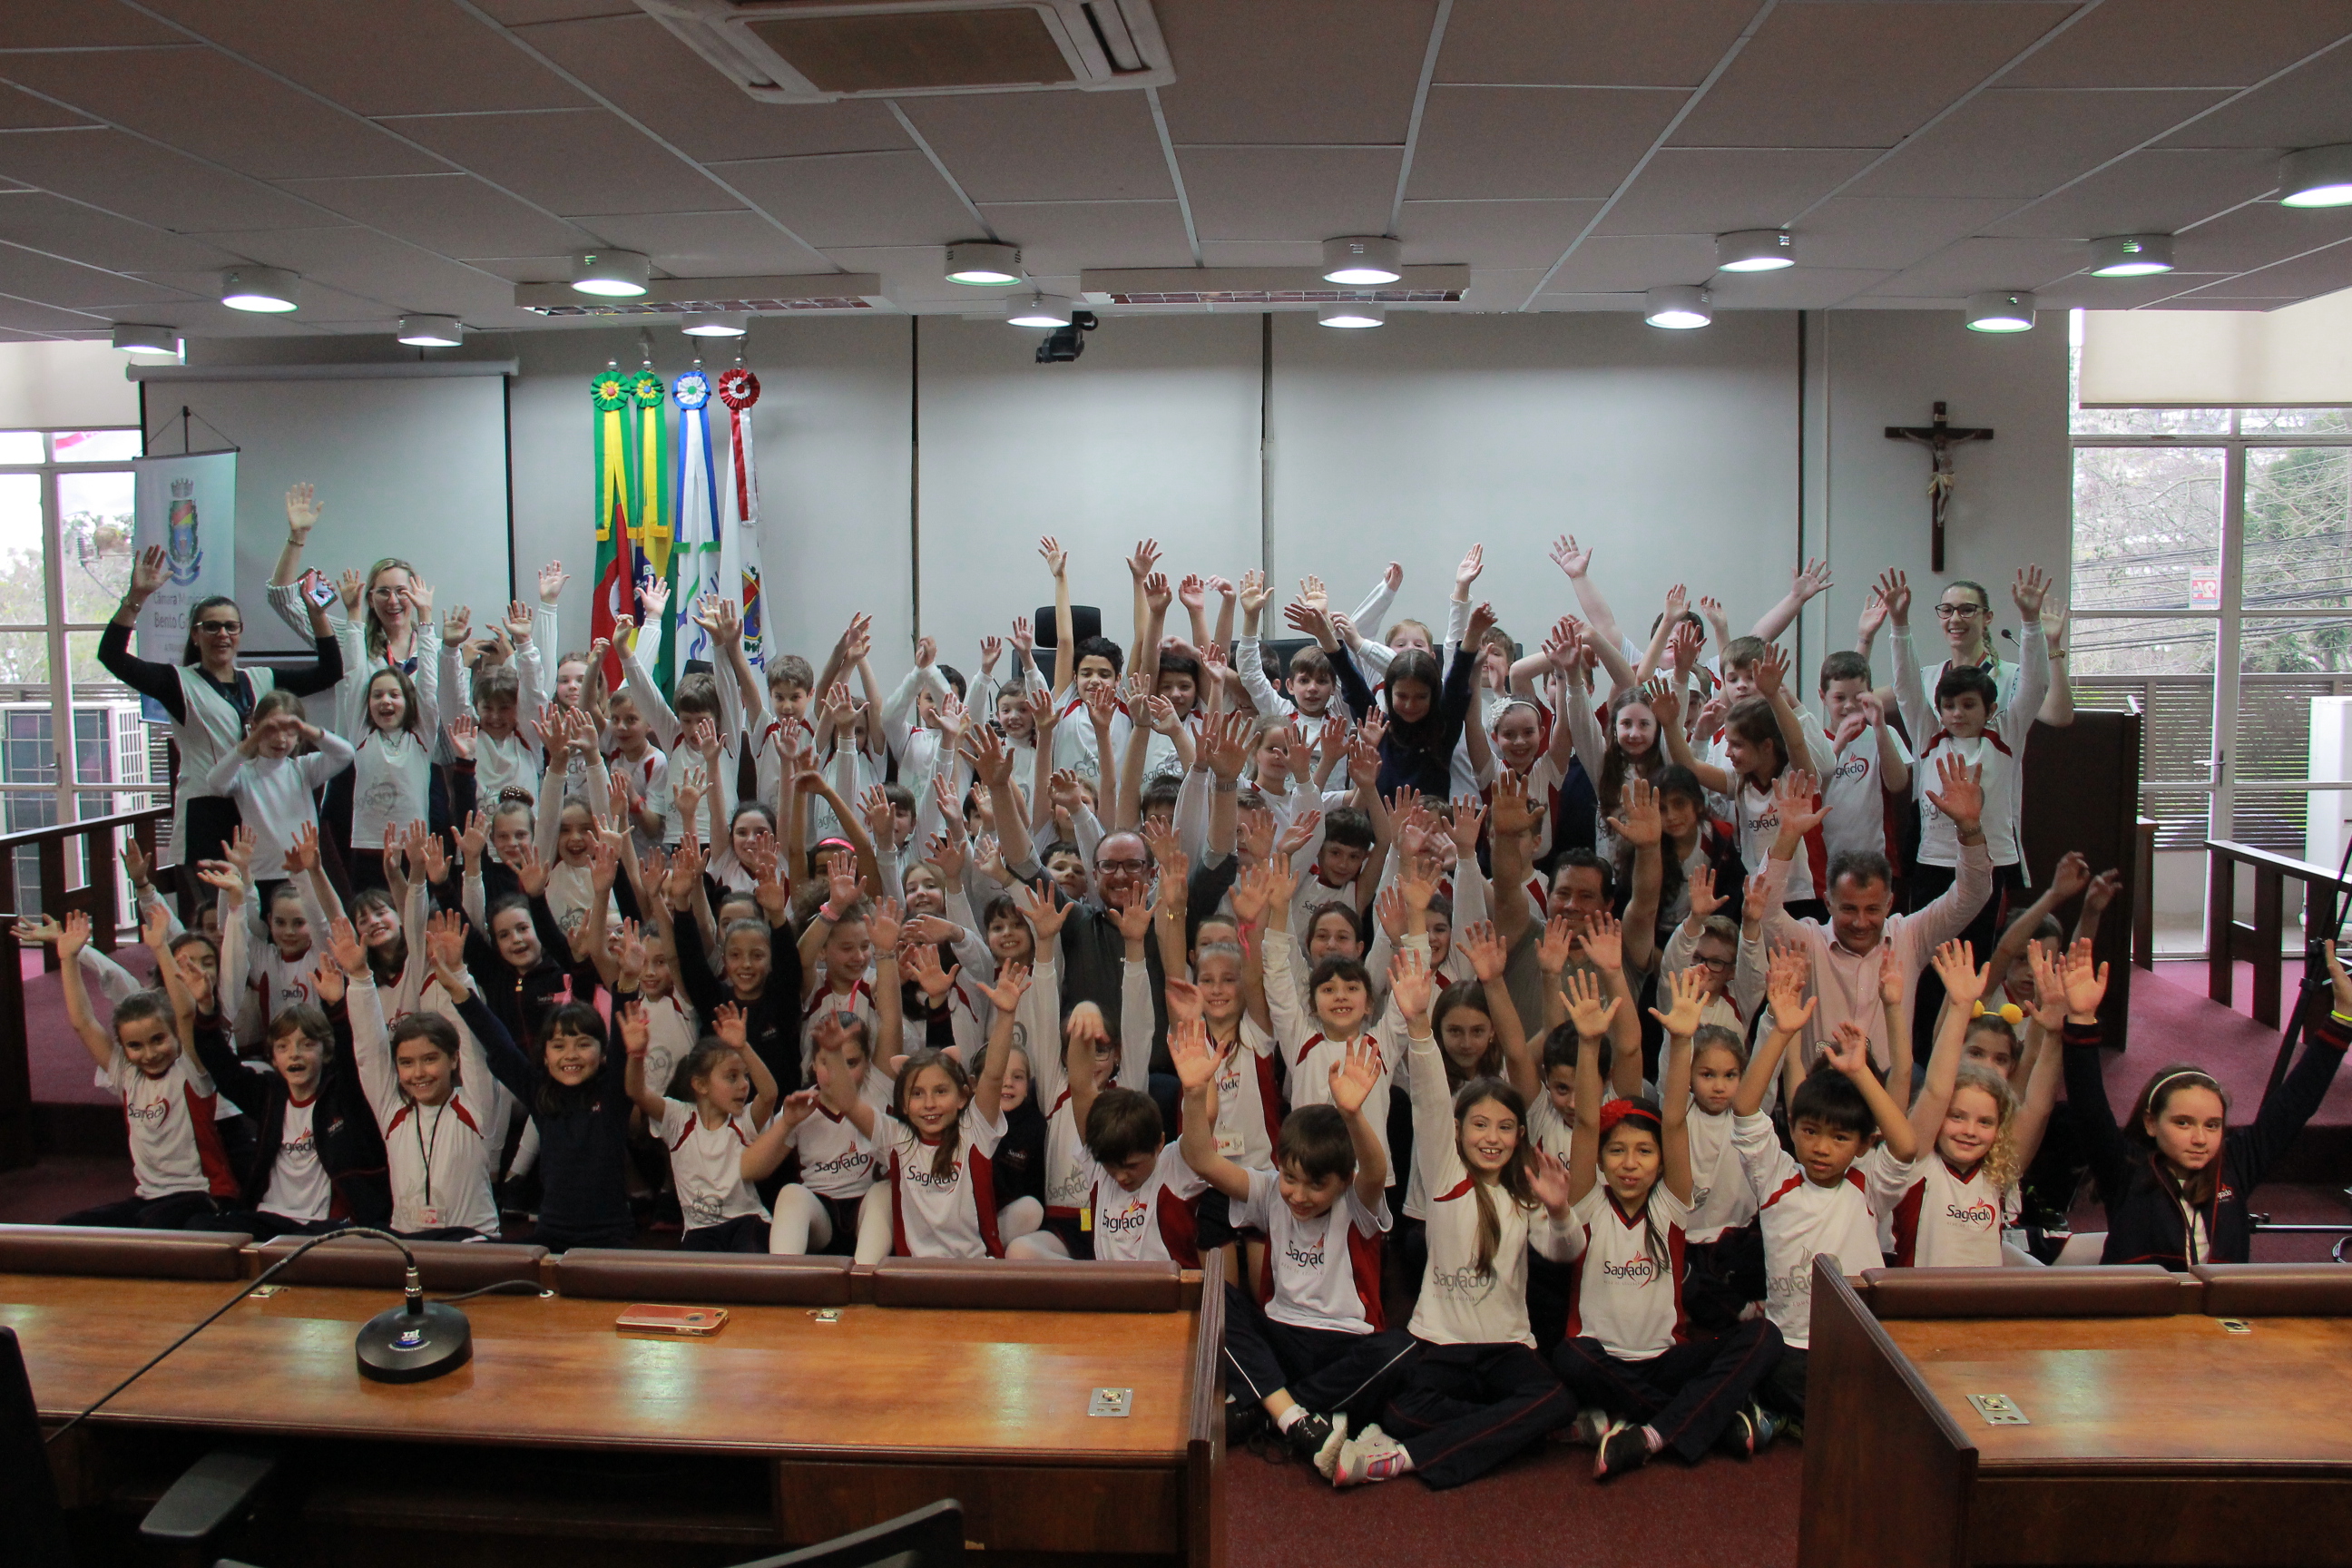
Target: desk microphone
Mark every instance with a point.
(408, 1343)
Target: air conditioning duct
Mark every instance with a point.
(818, 51)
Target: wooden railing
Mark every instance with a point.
(2229, 939)
(95, 898)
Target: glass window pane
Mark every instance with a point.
(24, 658)
(26, 754)
(2273, 819)
(2298, 529)
(2296, 421)
(2148, 528)
(2137, 646)
(2163, 670)
(2292, 645)
(81, 655)
(20, 446)
(95, 508)
(2275, 722)
(23, 585)
(95, 446)
(2151, 421)
(2181, 817)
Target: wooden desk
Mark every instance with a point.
(853, 1421)
(2151, 1439)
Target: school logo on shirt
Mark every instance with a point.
(300, 1148)
(152, 1115)
(1977, 1216)
(1852, 767)
(1129, 1221)
(704, 1208)
(920, 1174)
(1641, 1268)
(1305, 1257)
(1466, 1284)
(849, 1160)
(1797, 1283)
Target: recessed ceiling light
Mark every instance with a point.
(1040, 310)
(2001, 310)
(132, 338)
(265, 288)
(1362, 261)
(1352, 313)
(432, 332)
(715, 324)
(612, 274)
(1755, 250)
(2316, 177)
(983, 264)
(2131, 255)
(1678, 307)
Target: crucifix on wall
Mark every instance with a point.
(1940, 437)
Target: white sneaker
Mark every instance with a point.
(1371, 1456)
(1327, 1457)
(1591, 1425)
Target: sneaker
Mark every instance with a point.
(1591, 1425)
(1624, 1448)
(1307, 1436)
(1371, 1456)
(1327, 1457)
(1244, 1419)
(1769, 1424)
(1739, 1438)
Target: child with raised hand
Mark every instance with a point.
(1076, 1065)
(1477, 1393)
(180, 1167)
(1806, 1205)
(1315, 1022)
(944, 1127)
(391, 766)
(1141, 1199)
(837, 1205)
(1950, 1211)
(430, 1087)
(1315, 1356)
(1764, 738)
(710, 1139)
(1628, 1350)
(272, 784)
(573, 1093)
(759, 965)
(2175, 1180)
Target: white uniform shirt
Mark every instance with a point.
(836, 1159)
(1320, 1273)
(1999, 752)
(1627, 1296)
(705, 1163)
(300, 1188)
(390, 777)
(1801, 1221)
(442, 1157)
(273, 795)
(952, 1216)
(1938, 1218)
(1249, 1101)
(176, 1146)
(1154, 1221)
(1720, 1197)
(1854, 790)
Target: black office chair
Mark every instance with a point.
(931, 1537)
(1086, 621)
(36, 1526)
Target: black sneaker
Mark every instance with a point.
(1306, 1436)
(1623, 1449)
(1244, 1419)
(1739, 1438)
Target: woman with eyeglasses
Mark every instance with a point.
(209, 697)
(1964, 614)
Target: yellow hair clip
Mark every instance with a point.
(2008, 1012)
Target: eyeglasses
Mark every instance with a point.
(218, 626)
(1136, 867)
(1713, 966)
(1958, 612)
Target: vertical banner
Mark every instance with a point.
(188, 507)
(696, 557)
(739, 512)
(617, 481)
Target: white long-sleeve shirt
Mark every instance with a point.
(1999, 752)
(442, 1158)
(274, 796)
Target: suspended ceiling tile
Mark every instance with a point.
(1501, 288)
(2258, 235)
(1047, 146)
(1290, 193)
(92, 24)
(585, 160)
(374, 272)
(653, 75)
(736, 243)
(1792, 287)
(206, 104)
(912, 276)
(1971, 266)
(1607, 264)
(1070, 236)
(1710, 190)
(1857, 75)
(861, 198)
(2184, 43)
(211, 319)
(2152, 192)
(455, 215)
(1555, 300)
(2303, 277)
(2206, 302)
(1261, 253)
(32, 276)
(32, 316)
(2025, 142)
(20, 111)
(526, 269)
(1889, 231)
(317, 301)
(1589, 43)
(2303, 108)
(1491, 235)
(2084, 292)
(1305, 72)
(1532, 141)
(43, 222)
(524, 13)
(149, 185)
(380, 56)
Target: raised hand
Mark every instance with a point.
(1547, 1180)
(728, 1023)
(1356, 1074)
(1196, 1059)
(1559, 942)
(636, 1031)
(1894, 590)
(302, 849)
(2049, 985)
(2086, 982)
(1961, 798)
(1811, 578)
(343, 942)
(551, 579)
(1795, 795)
(1010, 985)
(1956, 966)
(1892, 981)
(1638, 822)
(1045, 917)
(1784, 988)
(919, 961)
(1604, 942)
(327, 980)
(1703, 901)
(1411, 988)
(2029, 590)
(1571, 558)
(445, 945)
(885, 924)
(2102, 890)
(1586, 1010)
(531, 871)
(1685, 994)
(1485, 949)
(1145, 556)
(1848, 1050)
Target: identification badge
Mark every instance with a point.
(1087, 1217)
(432, 1219)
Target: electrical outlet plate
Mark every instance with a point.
(2235, 1325)
(1111, 1402)
(1999, 1410)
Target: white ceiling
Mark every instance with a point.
(425, 155)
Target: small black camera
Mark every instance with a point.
(1063, 344)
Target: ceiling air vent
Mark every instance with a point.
(815, 52)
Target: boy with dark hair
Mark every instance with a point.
(1808, 1205)
(1337, 872)
(1143, 1198)
(1090, 668)
(1865, 759)
(1307, 1346)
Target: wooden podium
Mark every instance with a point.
(2166, 1418)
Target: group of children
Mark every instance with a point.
(1555, 1004)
